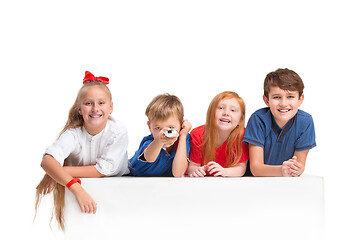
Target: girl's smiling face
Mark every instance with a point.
(95, 108)
(227, 115)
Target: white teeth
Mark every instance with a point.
(284, 110)
(224, 120)
(95, 116)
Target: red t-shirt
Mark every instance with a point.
(197, 137)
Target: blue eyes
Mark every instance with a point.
(159, 128)
(91, 103)
(277, 97)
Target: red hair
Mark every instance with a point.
(234, 141)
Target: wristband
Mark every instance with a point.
(72, 181)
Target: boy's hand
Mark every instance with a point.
(292, 168)
(185, 128)
(285, 168)
(166, 142)
(296, 168)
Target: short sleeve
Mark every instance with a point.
(63, 146)
(244, 153)
(196, 139)
(136, 163)
(113, 159)
(306, 139)
(255, 131)
(188, 145)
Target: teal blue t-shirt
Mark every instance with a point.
(162, 166)
(280, 144)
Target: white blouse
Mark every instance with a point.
(107, 150)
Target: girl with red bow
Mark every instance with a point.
(92, 144)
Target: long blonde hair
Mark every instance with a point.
(75, 120)
(234, 141)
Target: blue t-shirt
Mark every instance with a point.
(162, 166)
(280, 144)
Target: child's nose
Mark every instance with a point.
(283, 102)
(95, 107)
(226, 112)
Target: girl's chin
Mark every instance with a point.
(226, 127)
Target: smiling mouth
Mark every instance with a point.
(284, 110)
(95, 115)
(225, 120)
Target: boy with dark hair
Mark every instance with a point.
(280, 135)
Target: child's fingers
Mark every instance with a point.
(294, 167)
(213, 170)
(201, 172)
(195, 174)
(294, 172)
(287, 163)
(82, 208)
(213, 164)
(94, 207)
(218, 174)
(90, 208)
(297, 164)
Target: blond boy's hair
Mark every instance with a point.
(163, 106)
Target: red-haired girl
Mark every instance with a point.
(217, 148)
(92, 144)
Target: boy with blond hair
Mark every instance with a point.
(280, 135)
(158, 154)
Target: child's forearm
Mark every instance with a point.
(237, 171)
(55, 170)
(257, 166)
(83, 171)
(180, 162)
(263, 170)
(58, 173)
(152, 151)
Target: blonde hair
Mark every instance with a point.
(234, 141)
(75, 120)
(163, 106)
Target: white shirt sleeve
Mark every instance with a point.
(62, 147)
(113, 159)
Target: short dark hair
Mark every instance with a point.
(285, 79)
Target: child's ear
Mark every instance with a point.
(148, 123)
(301, 99)
(111, 108)
(266, 101)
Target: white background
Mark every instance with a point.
(194, 49)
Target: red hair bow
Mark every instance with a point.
(89, 77)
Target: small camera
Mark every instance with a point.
(171, 133)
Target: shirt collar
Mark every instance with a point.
(280, 133)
